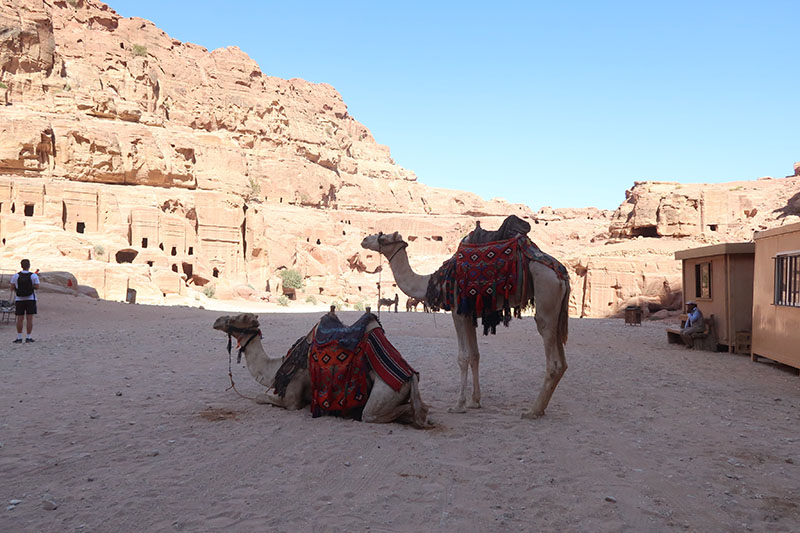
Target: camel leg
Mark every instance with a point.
(549, 294)
(269, 398)
(467, 351)
(385, 405)
(474, 361)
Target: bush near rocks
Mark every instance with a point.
(292, 279)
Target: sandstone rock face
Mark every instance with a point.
(138, 163)
(144, 163)
(725, 211)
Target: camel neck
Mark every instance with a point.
(408, 281)
(261, 366)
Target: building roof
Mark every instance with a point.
(788, 228)
(726, 248)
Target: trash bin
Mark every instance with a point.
(633, 315)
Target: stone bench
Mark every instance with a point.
(707, 340)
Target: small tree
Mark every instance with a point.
(292, 279)
(139, 50)
(283, 301)
(253, 192)
(209, 291)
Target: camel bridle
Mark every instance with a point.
(230, 330)
(381, 244)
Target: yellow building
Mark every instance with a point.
(720, 279)
(776, 295)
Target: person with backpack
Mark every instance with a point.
(24, 285)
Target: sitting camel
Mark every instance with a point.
(384, 404)
(388, 303)
(551, 294)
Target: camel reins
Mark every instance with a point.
(230, 330)
(380, 270)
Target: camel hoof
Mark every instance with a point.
(262, 399)
(457, 409)
(474, 405)
(532, 415)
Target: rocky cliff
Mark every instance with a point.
(122, 145)
(136, 161)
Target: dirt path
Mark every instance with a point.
(119, 414)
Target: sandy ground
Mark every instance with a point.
(120, 416)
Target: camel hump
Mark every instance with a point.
(511, 226)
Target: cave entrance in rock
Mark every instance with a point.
(126, 256)
(645, 231)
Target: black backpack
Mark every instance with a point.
(24, 284)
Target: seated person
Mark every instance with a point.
(695, 323)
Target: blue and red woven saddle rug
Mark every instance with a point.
(479, 276)
(339, 361)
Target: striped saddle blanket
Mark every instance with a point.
(339, 366)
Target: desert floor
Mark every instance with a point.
(119, 415)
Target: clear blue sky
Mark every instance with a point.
(545, 103)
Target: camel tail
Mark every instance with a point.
(563, 316)
(418, 407)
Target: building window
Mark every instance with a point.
(787, 280)
(702, 280)
(28, 210)
(144, 242)
(80, 227)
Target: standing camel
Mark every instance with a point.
(383, 404)
(412, 303)
(551, 296)
(388, 303)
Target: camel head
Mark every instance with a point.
(384, 243)
(238, 324)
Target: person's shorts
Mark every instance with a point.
(25, 307)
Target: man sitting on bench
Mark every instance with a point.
(695, 323)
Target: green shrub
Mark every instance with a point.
(253, 189)
(283, 301)
(336, 304)
(99, 250)
(73, 3)
(292, 279)
(358, 306)
(139, 50)
(209, 290)
(311, 300)
(3, 85)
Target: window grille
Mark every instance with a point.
(787, 280)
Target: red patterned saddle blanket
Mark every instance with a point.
(484, 272)
(339, 368)
(470, 281)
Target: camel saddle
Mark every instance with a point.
(510, 228)
(340, 358)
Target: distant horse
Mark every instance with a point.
(412, 303)
(386, 302)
